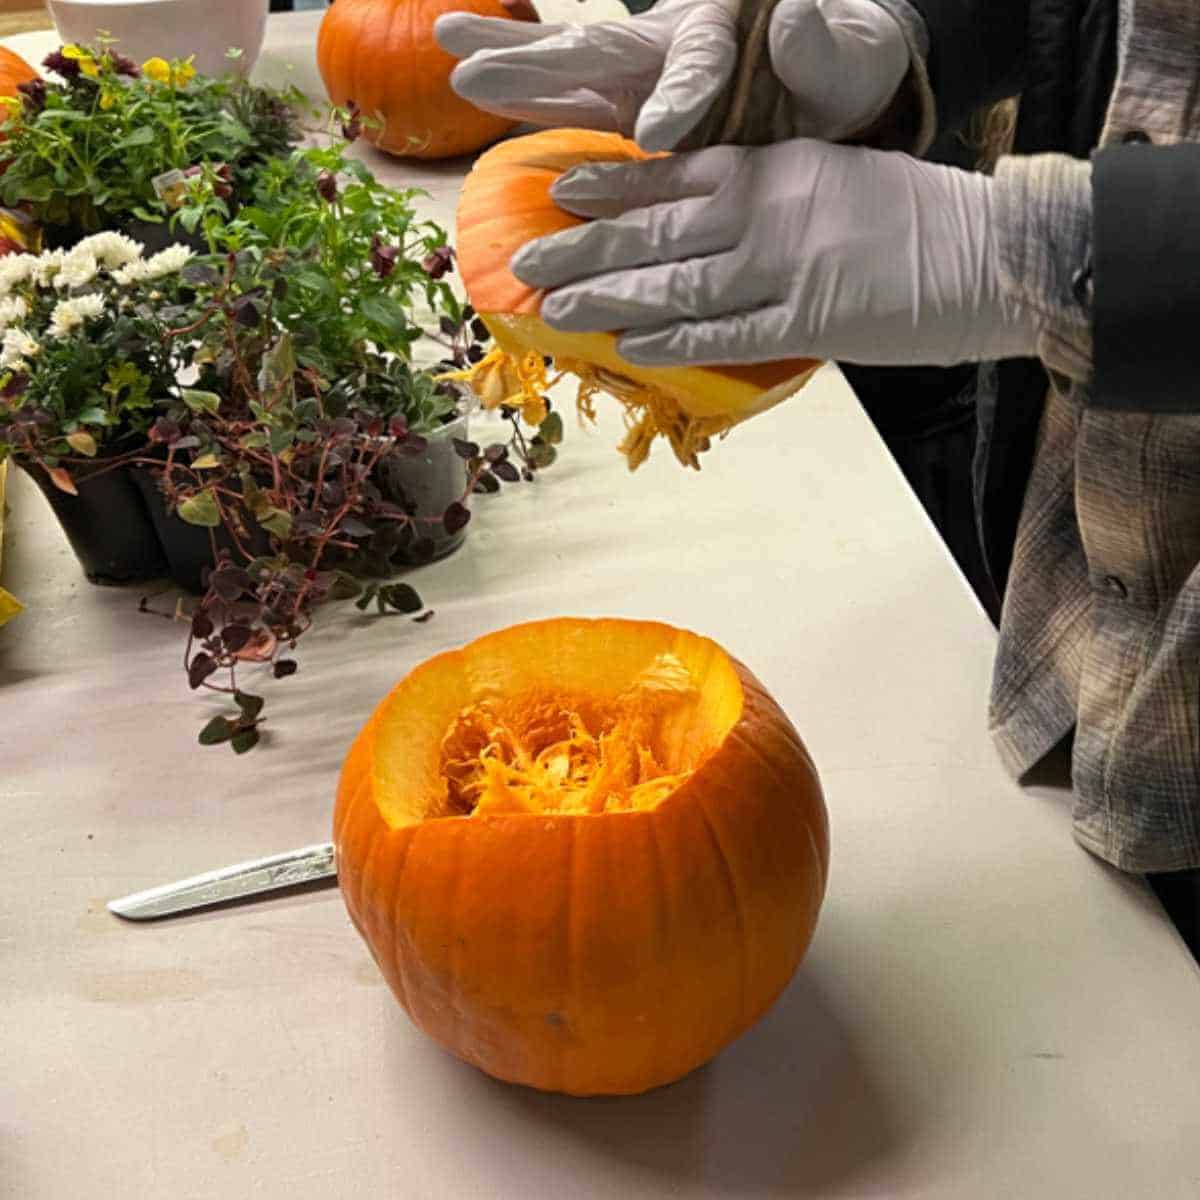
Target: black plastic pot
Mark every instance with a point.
(430, 482)
(188, 549)
(107, 524)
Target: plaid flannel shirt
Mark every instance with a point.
(1100, 629)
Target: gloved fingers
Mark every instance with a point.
(692, 289)
(699, 63)
(801, 44)
(602, 58)
(842, 60)
(464, 34)
(752, 336)
(577, 109)
(600, 190)
(665, 233)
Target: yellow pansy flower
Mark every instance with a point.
(10, 108)
(87, 64)
(157, 69)
(107, 100)
(183, 72)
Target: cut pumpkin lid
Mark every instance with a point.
(506, 203)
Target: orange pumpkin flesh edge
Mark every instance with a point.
(506, 203)
(381, 54)
(587, 953)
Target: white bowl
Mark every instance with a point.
(169, 29)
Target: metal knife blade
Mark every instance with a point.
(251, 878)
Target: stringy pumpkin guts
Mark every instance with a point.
(560, 755)
(522, 381)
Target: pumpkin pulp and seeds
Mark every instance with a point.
(521, 381)
(560, 754)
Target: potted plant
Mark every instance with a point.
(109, 144)
(286, 419)
(83, 362)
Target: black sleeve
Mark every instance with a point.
(976, 53)
(1146, 278)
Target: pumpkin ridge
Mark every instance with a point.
(743, 927)
(397, 952)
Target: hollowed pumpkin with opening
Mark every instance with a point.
(506, 203)
(586, 854)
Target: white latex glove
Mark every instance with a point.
(652, 77)
(842, 60)
(802, 249)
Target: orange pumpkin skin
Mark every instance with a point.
(381, 55)
(506, 202)
(589, 953)
(13, 71)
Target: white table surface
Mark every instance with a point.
(986, 1011)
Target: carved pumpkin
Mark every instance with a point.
(586, 855)
(381, 55)
(505, 203)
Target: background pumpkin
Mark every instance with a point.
(562, 945)
(381, 55)
(505, 203)
(13, 71)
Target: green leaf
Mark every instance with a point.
(144, 135)
(254, 441)
(364, 601)
(278, 366)
(278, 522)
(345, 587)
(218, 730)
(402, 597)
(551, 429)
(542, 455)
(387, 313)
(250, 705)
(82, 442)
(245, 740)
(201, 509)
(206, 462)
(197, 401)
(93, 415)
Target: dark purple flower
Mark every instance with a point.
(327, 187)
(125, 66)
(16, 385)
(34, 94)
(383, 258)
(438, 263)
(352, 129)
(61, 65)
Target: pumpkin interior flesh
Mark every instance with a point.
(580, 723)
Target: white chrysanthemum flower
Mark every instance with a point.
(168, 262)
(133, 272)
(70, 314)
(79, 268)
(12, 308)
(46, 266)
(15, 270)
(17, 347)
(111, 250)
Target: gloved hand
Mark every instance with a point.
(842, 60)
(655, 76)
(652, 77)
(801, 249)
